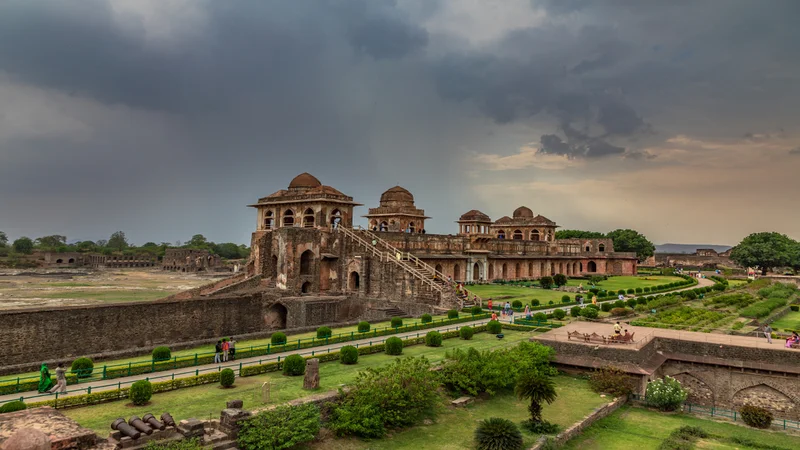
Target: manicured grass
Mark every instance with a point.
(790, 321)
(207, 401)
(109, 296)
(641, 429)
(736, 283)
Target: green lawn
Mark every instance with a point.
(641, 429)
(454, 427)
(205, 402)
(790, 321)
(107, 296)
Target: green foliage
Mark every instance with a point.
(185, 444)
(294, 365)
(433, 339)
(575, 311)
(466, 332)
(560, 279)
(540, 316)
(397, 395)
(610, 380)
(494, 327)
(778, 290)
(397, 322)
(537, 388)
(426, 318)
(477, 309)
(684, 438)
(497, 434)
(559, 314)
(631, 302)
(589, 313)
(535, 302)
(82, 367)
(452, 314)
(607, 306)
(348, 355)
(565, 299)
(16, 405)
(756, 417)
(364, 326)
(280, 428)
(762, 308)
(278, 338)
(632, 241)
(324, 332)
(689, 295)
(578, 234)
(516, 304)
(3, 239)
(393, 346)
(141, 392)
(161, 354)
(737, 326)
(765, 251)
(630, 291)
(118, 241)
(646, 289)
(619, 312)
(666, 394)
(23, 245)
(546, 282)
(227, 378)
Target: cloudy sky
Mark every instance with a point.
(164, 118)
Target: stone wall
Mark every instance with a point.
(578, 427)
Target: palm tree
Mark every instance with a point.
(538, 388)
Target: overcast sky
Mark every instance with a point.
(164, 118)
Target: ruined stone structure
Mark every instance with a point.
(706, 258)
(189, 260)
(98, 261)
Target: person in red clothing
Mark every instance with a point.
(225, 347)
(490, 303)
(494, 316)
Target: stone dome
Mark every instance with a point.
(476, 216)
(504, 219)
(305, 180)
(523, 212)
(397, 194)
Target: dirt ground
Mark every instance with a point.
(37, 289)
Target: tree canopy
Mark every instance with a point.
(23, 245)
(3, 239)
(118, 241)
(766, 251)
(52, 242)
(632, 241)
(579, 234)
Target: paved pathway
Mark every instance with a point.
(164, 375)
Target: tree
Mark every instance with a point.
(23, 245)
(53, 241)
(150, 245)
(795, 257)
(117, 241)
(632, 241)
(3, 239)
(537, 388)
(101, 243)
(765, 251)
(546, 282)
(198, 240)
(86, 246)
(578, 234)
(560, 279)
(227, 250)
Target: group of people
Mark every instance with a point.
(791, 341)
(618, 333)
(225, 350)
(46, 385)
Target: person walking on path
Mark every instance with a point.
(528, 312)
(218, 352)
(490, 303)
(232, 348)
(768, 333)
(45, 382)
(61, 378)
(225, 347)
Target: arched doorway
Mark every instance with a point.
(591, 267)
(306, 287)
(59, 261)
(561, 267)
(505, 271)
(541, 269)
(288, 218)
(274, 268)
(530, 269)
(268, 220)
(438, 268)
(476, 272)
(308, 218)
(456, 272)
(569, 269)
(491, 271)
(276, 316)
(535, 235)
(501, 234)
(517, 271)
(306, 262)
(353, 282)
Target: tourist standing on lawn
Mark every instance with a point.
(61, 378)
(225, 347)
(218, 352)
(527, 312)
(232, 348)
(45, 382)
(768, 333)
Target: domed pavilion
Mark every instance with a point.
(524, 225)
(397, 212)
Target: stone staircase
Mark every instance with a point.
(394, 311)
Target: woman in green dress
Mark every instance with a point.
(45, 382)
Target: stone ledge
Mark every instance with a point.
(576, 428)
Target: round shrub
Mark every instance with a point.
(632, 302)
(756, 417)
(141, 392)
(541, 317)
(294, 365)
(433, 339)
(589, 313)
(83, 367)
(16, 405)
(324, 332)
(617, 312)
(516, 304)
(559, 314)
(550, 302)
(397, 322)
(690, 295)
(643, 300)
(647, 289)
(426, 318)
(476, 309)
(565, 299)
(394, 346)
(630, 291)
(606, 307)
(348, 355)
(592, 306)
(619, 304)
(162, 354)
(535, 302)
(718, 287)
(226, 378)
(278, 338)
(495, 433)
(638, 290)
(575, 311)
(666, 394)
(494, 327)
(466, 333)
(363, 326)
(452, 314)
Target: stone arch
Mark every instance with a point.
(530, 269)
(587, 246)
(456, 272)
(699, 392)
(384, 226)
(274, 268)
(575, 268)
(601, 248)
(353, 281)
(476, 272)
(306, 287)
(438, 268)
(569, 269)
(288, 218)
(535, 236)
(59, 261)
(505, 271)
(491, 271)
(268, 220)
(411, 227)
(517, 271)
(306, 262)
(501, 234)
(517, 235)
(308, 218)
(336, 218)
(580, 266)
(71, 261)
(541, 269)
(765, 396)
(561, 267)
(276, 316)
(591, 267)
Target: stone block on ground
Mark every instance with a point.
(462, 401)
(311, 380)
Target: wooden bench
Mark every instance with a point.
(576, 334)
(594, 337)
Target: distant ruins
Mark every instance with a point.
(703, 258)
(98, 261)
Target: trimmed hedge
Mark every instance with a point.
(393, 346)
(16, 405)
(476, 310)
(276, 339)
(466, 332)
(162, 354)
(396, 322)
(559, 314)
(324, 332)
(82, 367)
(226, 377)
(516, 304)
(141, 392)
(426, 318)
(294, 365)
(494, 327)
(348, 355)
(452, 314)
(433, 339)
(363, 326)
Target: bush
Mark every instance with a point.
(535, 302)
(393, 346)
(364, 326)
(466, 332)
(643, 300)
(497, 434)
(226, 378)
(619, 304)
(476, 310)
(592, 306)
(632, 302)
(666, 394)
(795, 307)
(398, 321)
(647, 290)
(141, 392)
(162, 354)
(689, 295)
(16, 405)
(83, 367)
(718, 287)
(606, 307)
(638, 290)
(737, 326)
(565, 299)
(494, 327)
(294, 365)
(433, 339)
(560, 279)
(589, 313)
(762, 308)
(324, 332)
(516, 304)
(280, 428)
(756, 417)
(618, 312)
(541, 317)
(610, 380)
(575, 311)
(546, 282)
(348, 355)
(630, 291)
(559, 314)
(426, 318)
(278, 338)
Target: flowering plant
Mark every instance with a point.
(666, 394)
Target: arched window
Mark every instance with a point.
(591, 267)
(268, 221)
(411, 227)
(288, 218)
(601, 247)
(306, 262)
(505, 271)
(535, 235)
(476, 272)
(517, 271)
(530, 269)
(456, 272)
(308, 218)
(517, 234)
(354, 281)
(306, 288)
(501, 234)
(438, 268)
(336, 218)
(384, 226)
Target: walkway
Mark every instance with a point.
(116, 383)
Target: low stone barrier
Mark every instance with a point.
(578, 427)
